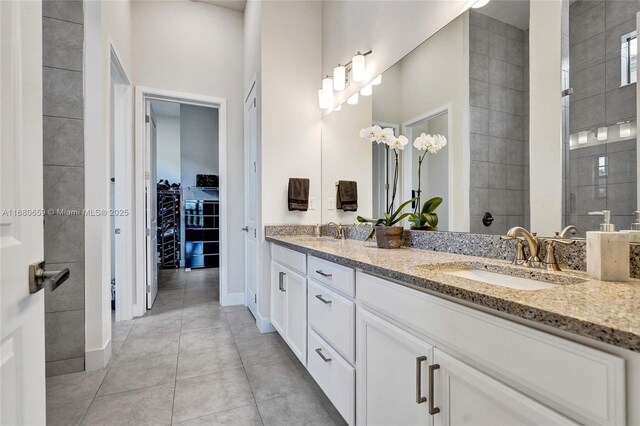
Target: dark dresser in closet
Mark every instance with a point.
(202, 228)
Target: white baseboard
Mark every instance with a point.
(264, 324)
(232, 299)
(97, 358)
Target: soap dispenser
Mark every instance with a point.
(607, 251)
(634, 232)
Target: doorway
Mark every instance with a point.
(180, 177)
(251, 200)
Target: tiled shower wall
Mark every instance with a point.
(499, 123)
(595, 28)
(63, 146)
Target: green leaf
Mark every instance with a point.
(400, 218)
(392, 219)
(373, 231)
(431, 219)
(429, 206)
(365, 220)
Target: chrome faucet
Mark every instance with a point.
(341, 231)
(533, 244)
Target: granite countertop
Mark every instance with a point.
(605, 311)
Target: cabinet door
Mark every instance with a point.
(391, 374)
(295, 286)
(466, 396)
(277, 314)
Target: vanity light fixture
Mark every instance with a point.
(353, 99)
(366, 90)
(583, 137)
(327, 89)
(322, 101)
(358, 67)
(573, 140)
(339, 77)
(602, 133)
(480, 3)
(625, 129)
(377, 80)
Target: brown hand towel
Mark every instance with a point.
(347, 198)
(298, 194)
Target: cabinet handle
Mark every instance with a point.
(432, 410)
(419, 398)
(324, 274)
(281, 276)
(324, 358)
(322, 299)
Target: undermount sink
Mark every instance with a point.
(503, 280)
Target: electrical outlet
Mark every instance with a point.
(331, 203)
(312, 203)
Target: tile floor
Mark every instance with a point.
(190, 361)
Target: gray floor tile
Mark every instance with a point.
(263, 348)
(147, 346)
(233, 308)
(74, 387)
(275, 379)
(202, 362)
(67, 414)
(246, 332)
(246, 416)
(204, 395)
(202, 309)
(141, 373)
(297, 409)
(214, 320)
(208, 338)
(240, 318)
(148, 406)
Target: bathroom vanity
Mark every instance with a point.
(419, 337)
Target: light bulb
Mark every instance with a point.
(602, 133)
(377, 80)
(339, 77)
(353, 99)
(322, 101)
(573, 139)
(583, 137)
(366, 90)
(358, 67)
(625, 130)
(479, 4)
(327, 90)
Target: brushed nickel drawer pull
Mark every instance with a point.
(324, 358)
(324, 274)
(281, 281)
(432, 410)
(419, 398)
(322, 299)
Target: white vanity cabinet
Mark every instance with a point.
(289, 298)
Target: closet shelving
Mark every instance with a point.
(202, 227)
(169, 228)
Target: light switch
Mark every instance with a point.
(331, 203)
(312, 203)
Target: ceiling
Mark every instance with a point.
(167, 109)
(513, 12)
(237, 5)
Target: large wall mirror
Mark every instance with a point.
(469, 84)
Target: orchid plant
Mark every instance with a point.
(387, 137)
(422, 215)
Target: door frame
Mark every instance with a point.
(253, 88)
(142, 94)
(121, 112)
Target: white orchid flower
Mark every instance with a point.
(370, 134)
(399, 143)
(386, 136)
(421, 142)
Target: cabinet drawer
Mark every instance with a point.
(334, 275)
(333, 317)
(334, 375)
(293, 259)
(583, 383)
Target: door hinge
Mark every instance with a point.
(147, 118)
(255, 104)
(255, 167)
(148, 288)
(255, 233)
(147, 232)
(255, 298)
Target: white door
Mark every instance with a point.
(295, 287)
(391, 374)
(22, 362)
(152, 207)
(466, 396)
(277, 311)
(251, 202)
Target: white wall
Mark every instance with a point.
(196, 48)
(198, 143)
(391, 28)
(168, 148)
(107, 26)
(347, 157)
